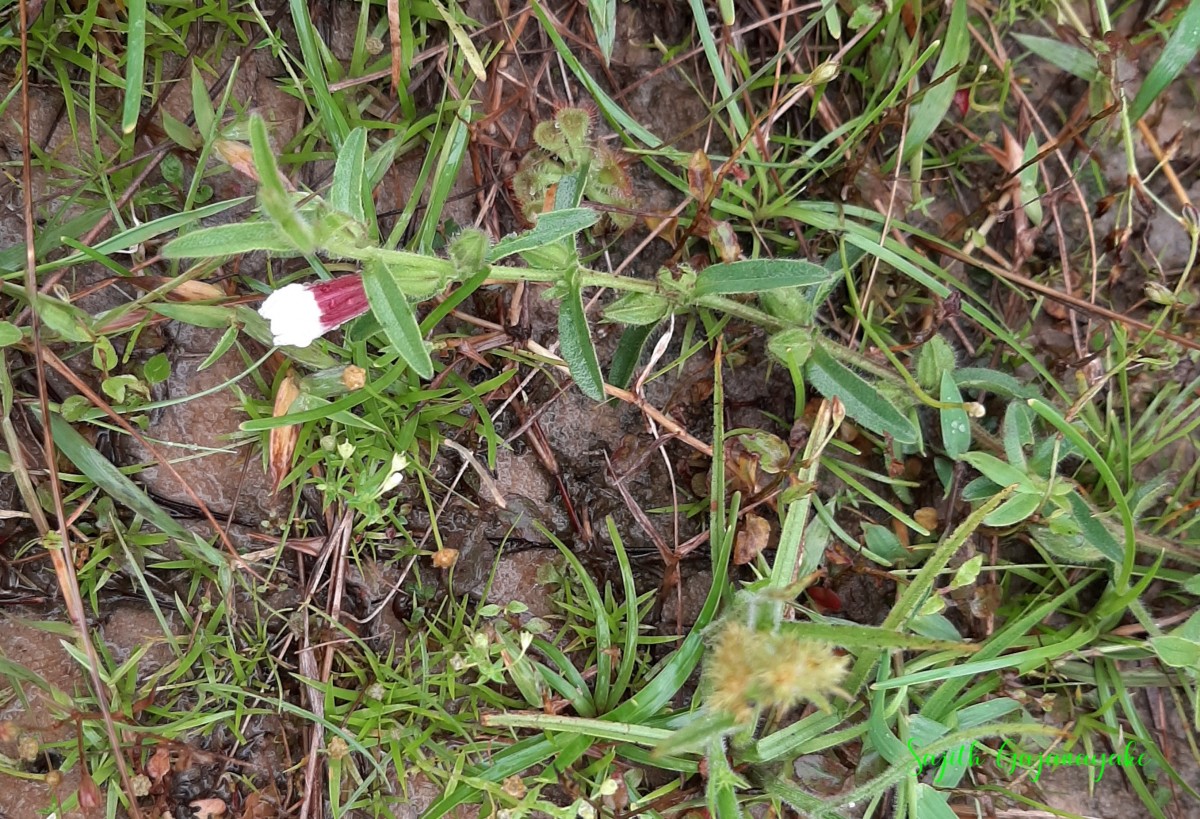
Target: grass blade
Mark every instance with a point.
(927, 114)
(1181, 47)
(135, 65)
(603, 14)
(120, 488)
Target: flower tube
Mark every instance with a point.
(301, 313)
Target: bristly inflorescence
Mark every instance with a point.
(748, 670)
(564, 146)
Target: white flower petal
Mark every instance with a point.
(294, 315)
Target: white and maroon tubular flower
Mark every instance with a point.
(301, 313)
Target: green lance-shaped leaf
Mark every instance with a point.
(550, 227)
(956, 426)
(230, 240)
(862, 401)
(575, 342)
(638, 309)
(1014, 510)
(628, 354)
(396, 317)
(1002, 473)
(757, 275)
(346, 192)
(272, 195)
(135, 65)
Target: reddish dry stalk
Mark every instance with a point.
(64, 567)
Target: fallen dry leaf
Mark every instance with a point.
(197, 291)
(283, 439)
(159, 764)
(207, 808)
(927, 516)
(751, 540)
(393, 15)
(238, 156)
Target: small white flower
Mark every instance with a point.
(395, 474)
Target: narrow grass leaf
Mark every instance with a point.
(141, 233)
(609, 106)
(121, 489)
(1070, 58)
(199, 315)
(222, 347)
(445, 171)
(575, 342)
(396, 316)
(463, 40)
(230, 240)
(1023, 660)
(135, 65)
(603, 685)
(859, 636)
(756, 275)
(921, 587)
(862, 401)
(50, 238)
(599, 728)
(632, 620)
(327, 110)
(1181, 47)
(927, 114)
(346, 192)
